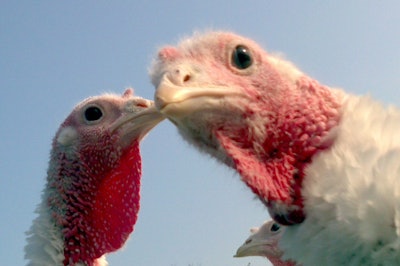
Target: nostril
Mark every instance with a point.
(181, 75)
(186, 78)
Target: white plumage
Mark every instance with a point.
(352, 193)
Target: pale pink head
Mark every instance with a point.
(253, 111)
(93, 181)
(264, 242)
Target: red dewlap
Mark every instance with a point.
(297, 130)
(108, 211)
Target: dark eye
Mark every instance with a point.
(93, 113)
(241, 57)
(275, 227)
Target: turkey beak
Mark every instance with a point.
(177, 99)
(254, 247)
(138, 119)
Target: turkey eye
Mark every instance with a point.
(275, 227)
(241, 57)
(93, 113)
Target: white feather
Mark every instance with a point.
(45, 246)
(352, 193)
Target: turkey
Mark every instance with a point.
(324, 162)
(263, 241)
(91, 198)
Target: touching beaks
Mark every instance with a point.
(135, 125)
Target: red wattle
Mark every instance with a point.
(103, 209)
(116, 204)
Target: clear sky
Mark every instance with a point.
(194, 211)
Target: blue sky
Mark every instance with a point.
(194, 211)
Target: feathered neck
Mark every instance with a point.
(279, 140)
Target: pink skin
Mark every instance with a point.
(94, 175)
(261, 121)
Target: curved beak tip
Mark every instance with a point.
(137, 125)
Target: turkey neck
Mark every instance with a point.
(94, 208)
(275, 145)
